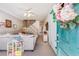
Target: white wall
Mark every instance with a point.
(4, 16)
(52, 32)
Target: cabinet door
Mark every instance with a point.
(68, 49)
(68, 40)
(61, 52)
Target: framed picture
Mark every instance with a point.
(8, 23)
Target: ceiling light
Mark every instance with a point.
(29, 15)
(25, 14)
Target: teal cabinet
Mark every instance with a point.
(67, 41)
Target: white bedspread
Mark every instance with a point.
(29, 41)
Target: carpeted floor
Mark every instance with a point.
(41, 49)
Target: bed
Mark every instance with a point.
(28, 39)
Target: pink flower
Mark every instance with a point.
(56, 7)
(67, 13)
(64, 13)
(58, 16)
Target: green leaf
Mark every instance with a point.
(52, 11)
(76, 19)
(72, 25)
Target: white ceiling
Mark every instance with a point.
(17, 9)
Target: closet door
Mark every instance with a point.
(52, 33)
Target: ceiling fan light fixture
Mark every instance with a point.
(29, 15)
(25, 14)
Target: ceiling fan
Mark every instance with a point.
(29, 13)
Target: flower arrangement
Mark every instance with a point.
(66, 15)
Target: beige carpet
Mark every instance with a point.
(41, 49)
